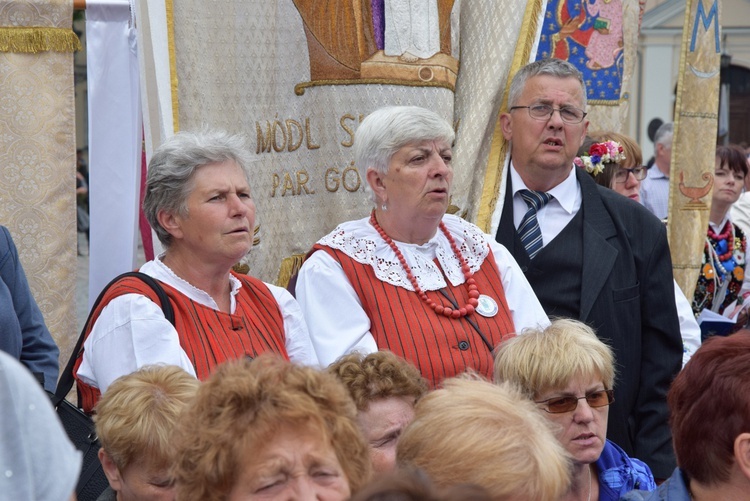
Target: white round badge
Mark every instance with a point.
(487, 306)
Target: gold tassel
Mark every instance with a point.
(289, 267)
(38, 39)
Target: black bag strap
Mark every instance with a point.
(66, 378)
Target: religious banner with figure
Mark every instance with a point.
(298, 76)
(38, 154)
(600, 38)
(694, 142)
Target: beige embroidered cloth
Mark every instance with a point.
(694, 143)
(297, 76)
(37, 160)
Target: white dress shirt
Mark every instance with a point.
(655, 192)
(557, 213)
(132, 332)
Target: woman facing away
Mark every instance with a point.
(199, 202)
(430, 287)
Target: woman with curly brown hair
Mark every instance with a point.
(268, 429)
(384, 388)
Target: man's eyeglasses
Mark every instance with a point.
(621, 174)
(558, 405)
(568, 114)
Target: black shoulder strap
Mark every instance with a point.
(66, 378)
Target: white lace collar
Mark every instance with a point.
(361, 242)
(161, 271)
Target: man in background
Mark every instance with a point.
(655, 188)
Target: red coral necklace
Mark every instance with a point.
(469, 307)
(724, 235)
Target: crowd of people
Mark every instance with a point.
(414, 356)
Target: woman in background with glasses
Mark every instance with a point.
(570, 373)
(620, 170)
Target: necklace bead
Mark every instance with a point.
(721, 246)
(471, 285)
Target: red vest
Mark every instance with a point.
(439, 346)
(208, 337)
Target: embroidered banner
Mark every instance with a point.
(298, 76)
(694, 142)
(600, 38)
(38, 152)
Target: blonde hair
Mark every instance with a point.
(137, 414)
(242, 405)
(377, 375)
(539, 360)
(472, 431)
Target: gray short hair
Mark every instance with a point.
(386, 130)
(664, 134)
(552, 67)
(170, 172)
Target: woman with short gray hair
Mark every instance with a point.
(199, 202)
(409, 278)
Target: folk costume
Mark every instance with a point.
(129, 329)
(722, 280)
(359, 294)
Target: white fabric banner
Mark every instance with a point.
(115, 140)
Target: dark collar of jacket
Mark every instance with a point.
(599, 256)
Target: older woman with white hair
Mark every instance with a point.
(430, 287)
(199, 203)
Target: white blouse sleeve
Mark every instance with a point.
(522, 302)
(335, 318)
(298, 344)
(689, 329)
(130, 332)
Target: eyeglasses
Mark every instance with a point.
(621, 174)
(568, 114)
(558, 405)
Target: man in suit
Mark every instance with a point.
(591, 254)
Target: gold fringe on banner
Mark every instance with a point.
(31, 40)
(496, 163)
(289, 267)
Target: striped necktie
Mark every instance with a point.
(531, 235)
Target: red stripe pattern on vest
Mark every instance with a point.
(440, 347)
(208, 337)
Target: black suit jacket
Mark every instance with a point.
(627, 296)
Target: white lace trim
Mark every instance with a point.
(361, 242)
(162, 272)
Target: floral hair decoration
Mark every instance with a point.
(600, 154)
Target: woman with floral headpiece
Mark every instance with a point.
(614, 161)
(723, 285)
